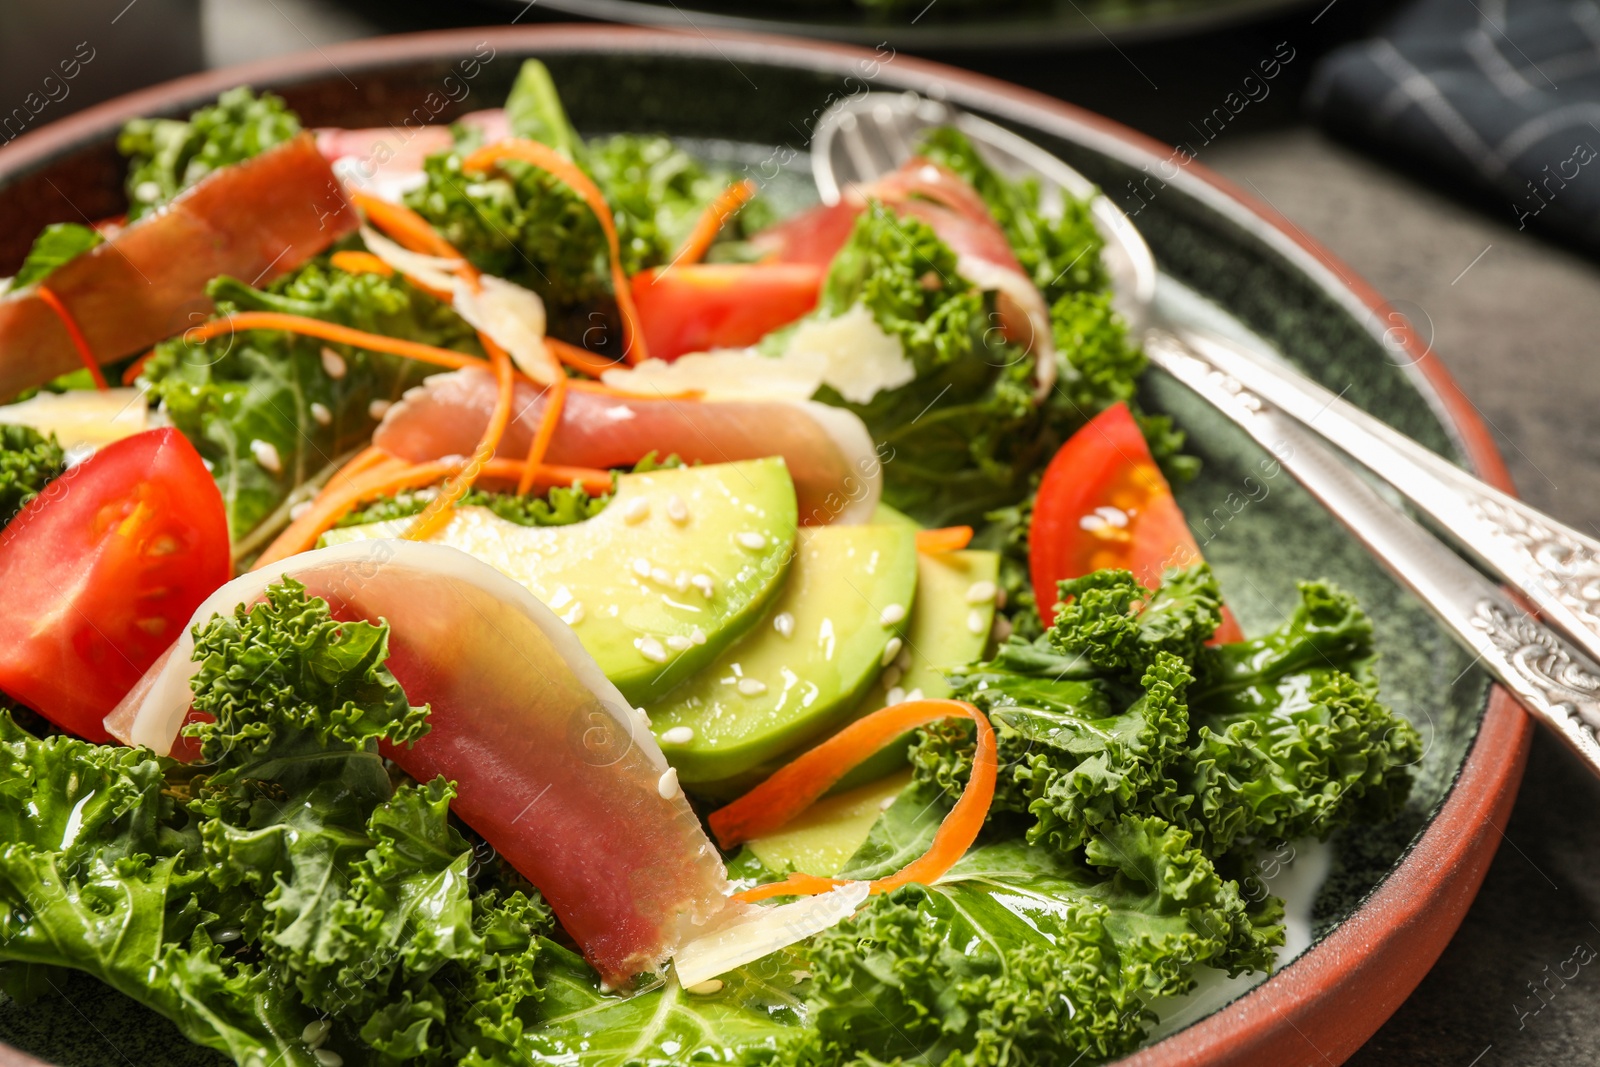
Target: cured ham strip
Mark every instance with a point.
(253, 220)
(952, 208)
(828, 450)
(552, 765)
(388, 159)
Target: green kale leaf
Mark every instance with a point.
(269, 410)
(166, 156)
(28, 462)
(57, 244)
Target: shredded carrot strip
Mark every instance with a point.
(336, 500)
(944, 539)
(79, 342)
(331, 331)
(592, 480)
(442, 507)
(564, 170)
(360, 263)
(136, 368)
(579, 359)
(409, 229)
(712, 220)
(555, 400)
(796, 786)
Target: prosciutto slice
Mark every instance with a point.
(253, 220)
(836, 470)
(387, 160)
(939, 197)
(552, 765)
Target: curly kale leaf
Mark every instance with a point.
(1060, 251)
(28, 462)
(56, 245)
(269, 410)
(166, 156)
(1119, 626)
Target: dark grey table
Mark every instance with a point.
(1512, 317)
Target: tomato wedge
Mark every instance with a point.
(701, 306)
(101, 572)
(1103, 503)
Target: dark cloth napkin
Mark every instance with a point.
(1501, 97)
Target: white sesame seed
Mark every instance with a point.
(752, 540)
(379, 408)
(904, 660)
(892, 615)
(886, 803)
(751, 687)
(147, 192)
(326, 1057)
(697, 635)
(680, 581)
(706, 988)
(660, 575)
(320, 412)
(977, 621)
(266, 454)
(574, 614)
(1002, 627)
(333, 363)
(890, 651)
(981, 592)
(667, 784)
(1114, 516)
(893, 697)
(891, 677)
(703, 582)
(783, 622)
(678, 735)
(650, 649)
(636, 510)
(641, 567)
(677, 510)
(679, 643)
(316, 1033)
(915, 694)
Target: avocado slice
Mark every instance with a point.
(805, 666)
(677, 567)
(822, 839)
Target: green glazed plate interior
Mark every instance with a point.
(1261, 531)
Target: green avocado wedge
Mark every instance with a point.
(850, 591)
(677, 567)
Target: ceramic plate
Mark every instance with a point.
(1392, 898)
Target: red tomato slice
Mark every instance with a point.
(1103, 502)
(102, 570)
(701, 306)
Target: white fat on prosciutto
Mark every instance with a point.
(849, 353)
(386, 161)
(552, 766)
(836, 470)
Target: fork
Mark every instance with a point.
(1552, 567)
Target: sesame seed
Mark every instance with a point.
(636, 510)
(677, 510)
(266, 454)
(660, 575)
(678, 735)
(574, 614)
(892, 615)
(650, 649)
(904, 660)
(751, 687)
(299, 511)
(333, 363)
(326, 1057)
(703, 582)
(886, 803)
(222, 937)
(641, 567)
(679, 643)
(147, 192)
(316, 1033)
(981, 592)
(667, 785)
(706, 988)
(697, 635)
(977, 621)
(752, 540)
(891, 677)
(783, 622)
(890, 651)
(1002, 627)
(893, 697)
(379, 408)
(915, 694)
(320, 412)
